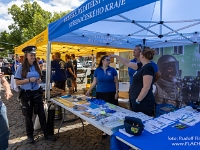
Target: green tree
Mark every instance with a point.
(28, 21)
(5, 47)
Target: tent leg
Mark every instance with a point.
(161, 11)
(48, 72)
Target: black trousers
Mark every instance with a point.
(107, 96)
(60, 84)
(28, 102)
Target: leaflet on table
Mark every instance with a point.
(164, 120)
(108, 119)
(113, 124)
(179, 114)
(191, 120)
(157, 124)
(122, 115)
(151, 128)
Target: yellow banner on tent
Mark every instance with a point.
(38, 40)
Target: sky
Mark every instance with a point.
(49, 5)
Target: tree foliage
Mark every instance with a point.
(28, 21)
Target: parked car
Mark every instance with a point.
(79, 65)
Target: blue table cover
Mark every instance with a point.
(169, 139)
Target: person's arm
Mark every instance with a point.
(147, 80)
(8, 94)
(157, 76)
(24, 81)
(92, 86)
(70, 70)
(126, 62)
(117, 87)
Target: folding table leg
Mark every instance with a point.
(82, 123)
(63, 118)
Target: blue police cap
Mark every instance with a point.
(133, 125)
(29, 49)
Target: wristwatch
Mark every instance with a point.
(137, 101)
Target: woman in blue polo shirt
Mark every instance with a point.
(28, 76)
(106, 79)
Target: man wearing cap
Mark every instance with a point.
(59, 67)
(28, 76)
(4, 126)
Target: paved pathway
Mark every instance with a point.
(71, 135)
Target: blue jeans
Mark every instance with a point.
(4, 128)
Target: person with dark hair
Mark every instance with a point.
(106, 79)
(15, 64)
(136, 59)
(28, 76)
(74, 84)
(59, 67)
(40, 62)
(4, 126)
(70, 73)
(140, 94)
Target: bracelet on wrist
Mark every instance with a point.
(137, 101)
(29, 80)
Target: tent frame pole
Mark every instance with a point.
(178, 33)
(48, 72)
(161, 14)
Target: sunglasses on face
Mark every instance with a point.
(107, 59)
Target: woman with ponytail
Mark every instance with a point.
(141, 95)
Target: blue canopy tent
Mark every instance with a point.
(125, 23)
(67, 30)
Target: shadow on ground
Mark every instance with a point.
(71, 136)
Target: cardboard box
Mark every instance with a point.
(124, 103)
(124, 95)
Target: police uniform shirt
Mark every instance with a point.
(105, 80)
(32, 73)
